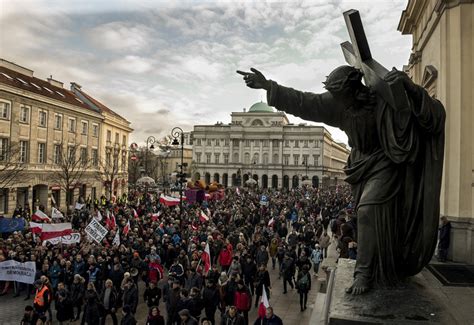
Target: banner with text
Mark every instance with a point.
(16, 271)
(73, 238)
(96, 231)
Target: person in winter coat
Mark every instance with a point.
(127, 318)
(262, 256)
(152, 295)
(210, 299)
(154, 317)
(249, 270)
(288, 271)
(316, 258)
(324, 242)
(262, 279)
(91, 308)
(172, 299)
(232, 317)
(186, 318)
(63, 304)
(195, 303)
(269, 319)
(235, 267)
(243, 300)
(193, 279)
(273, 249)
(130, 295)
(77, 295)
(108, 299)
(225, 258)
(303, 283)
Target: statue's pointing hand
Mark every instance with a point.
(255, 79)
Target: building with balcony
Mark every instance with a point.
(263, 145)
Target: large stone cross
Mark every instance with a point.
(358, 55)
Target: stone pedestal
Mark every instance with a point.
(411, 303)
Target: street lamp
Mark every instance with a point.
(178, 133)
(150, 141)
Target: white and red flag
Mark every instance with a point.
(135, 214)
(126, 229)
(206, 258)
(51, 230)
(56, 214)
(169, 200)
(264, 304)
(110, 221)
(40, 216)
(203, 217)
(156, 216)
(271, 222)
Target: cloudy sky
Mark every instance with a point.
(162, 64)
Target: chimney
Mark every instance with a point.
(15, 67)
(55, 82)
(75, 86)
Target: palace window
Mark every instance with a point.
(41, 153)
(42, 115)
(58, 121)
(23, 151)
(25, 114)
(5, 110)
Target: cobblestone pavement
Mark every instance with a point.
(286, 306)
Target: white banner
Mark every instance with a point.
(96, 231)
(67, 239)
(16, 271)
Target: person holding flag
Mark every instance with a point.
(268, 318)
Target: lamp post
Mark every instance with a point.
(178, 133)
(150, 141)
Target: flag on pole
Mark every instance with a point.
(155, 216)
(40, 216)
(79, 206)
(56, 214)
(237, 191)
(126, 229)
(264, 304)
(206, 258)
(48, 231)
(135, 214)
(99, 216)
(203, 217)
(271, 222)
(116, 241)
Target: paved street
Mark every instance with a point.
(286, 306)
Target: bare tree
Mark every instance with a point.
(108, 170)
(10, 166)
(72, 164)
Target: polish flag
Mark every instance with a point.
(169, 200)
(206, 258)
(116, 241)
(53, 230)
(203, 217)
(40, 216)
(155, 216)
(110, 221)
(271, 222)
(126, 229)
(99, 216)
(237, 191)
(135, 214)
(264, 304)
(36, 228)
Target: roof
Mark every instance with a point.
(260, 107)
(40, 87)
(98, 104)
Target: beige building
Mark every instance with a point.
(442, 62)
(48, 130)
(262, 144)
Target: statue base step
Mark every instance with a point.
(410, 303)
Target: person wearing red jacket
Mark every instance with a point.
(225, 259)
(243, 300)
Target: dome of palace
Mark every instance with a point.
(261, 107)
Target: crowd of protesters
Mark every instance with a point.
(162, 254)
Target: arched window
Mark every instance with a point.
(265, 159)
(256, 158)
(257, 122)
(275, 158)
(246, 158)
(235, 157)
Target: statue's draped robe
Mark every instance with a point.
(395, 169)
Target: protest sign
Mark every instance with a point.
(67, 239)
(15, 271)
(96, 231)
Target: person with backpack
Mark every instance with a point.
(303, 284)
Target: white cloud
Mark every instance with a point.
(121, 36)
(132, 64)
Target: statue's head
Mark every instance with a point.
(343, 79)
